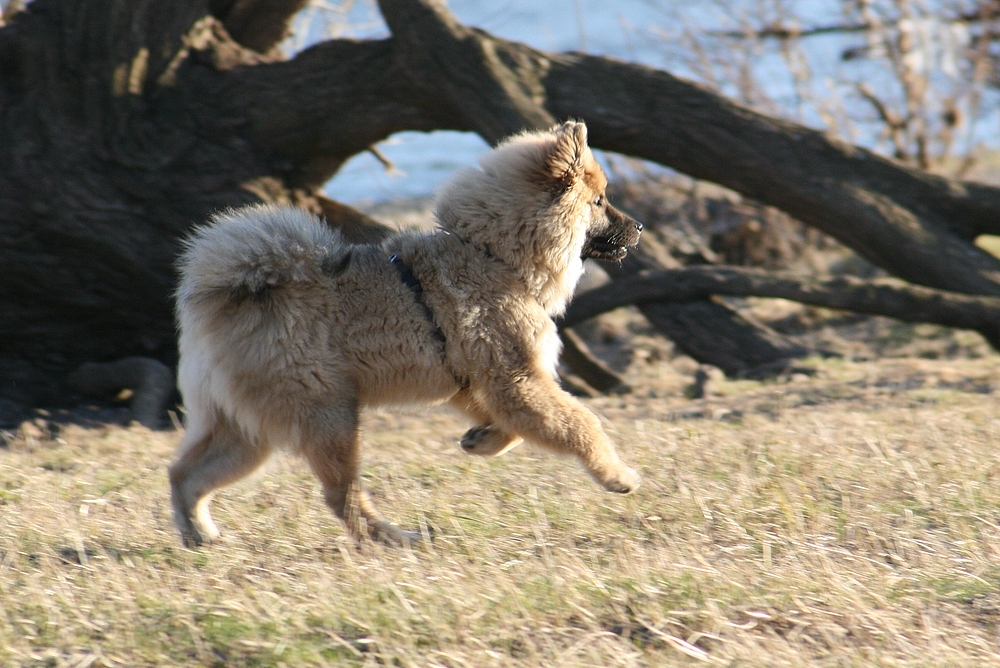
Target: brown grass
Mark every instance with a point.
(851, 518)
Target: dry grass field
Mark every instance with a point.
(845, 518)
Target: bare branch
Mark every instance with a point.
(330, 102)
(894, 125)
(707, 330)
(886, 296)
(791, 31)
(984, 12)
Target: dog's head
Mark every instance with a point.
(579, 180)
(538, 204)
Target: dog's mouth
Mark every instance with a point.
(612, 240)
(605, 248)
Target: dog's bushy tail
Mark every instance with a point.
(244, 253)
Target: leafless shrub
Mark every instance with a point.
(907, 77)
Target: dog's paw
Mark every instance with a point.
(192, 538)
(194, 533)
(488, 441)
(390, 534)
(622, 481)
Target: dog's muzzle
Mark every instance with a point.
(612, 243)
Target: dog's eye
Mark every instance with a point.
(599, 201)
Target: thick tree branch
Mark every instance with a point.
(341, 96)
(494, 95)
(885, 296)
(328, 103)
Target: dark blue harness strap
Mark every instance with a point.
(413, 283)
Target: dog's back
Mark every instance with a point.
(278, 313)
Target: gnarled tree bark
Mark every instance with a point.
(125, 122)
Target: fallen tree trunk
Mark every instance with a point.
(125, 122)
(881, 296)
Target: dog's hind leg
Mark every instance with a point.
(332, 448)
(211, 457)
(541, 411)
(486, 439)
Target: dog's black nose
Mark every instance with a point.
(638, 226)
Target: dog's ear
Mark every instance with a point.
(564, 163)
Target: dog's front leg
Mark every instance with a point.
(534, 406)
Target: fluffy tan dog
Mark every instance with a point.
(287, 331)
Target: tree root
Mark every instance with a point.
(151, 382)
